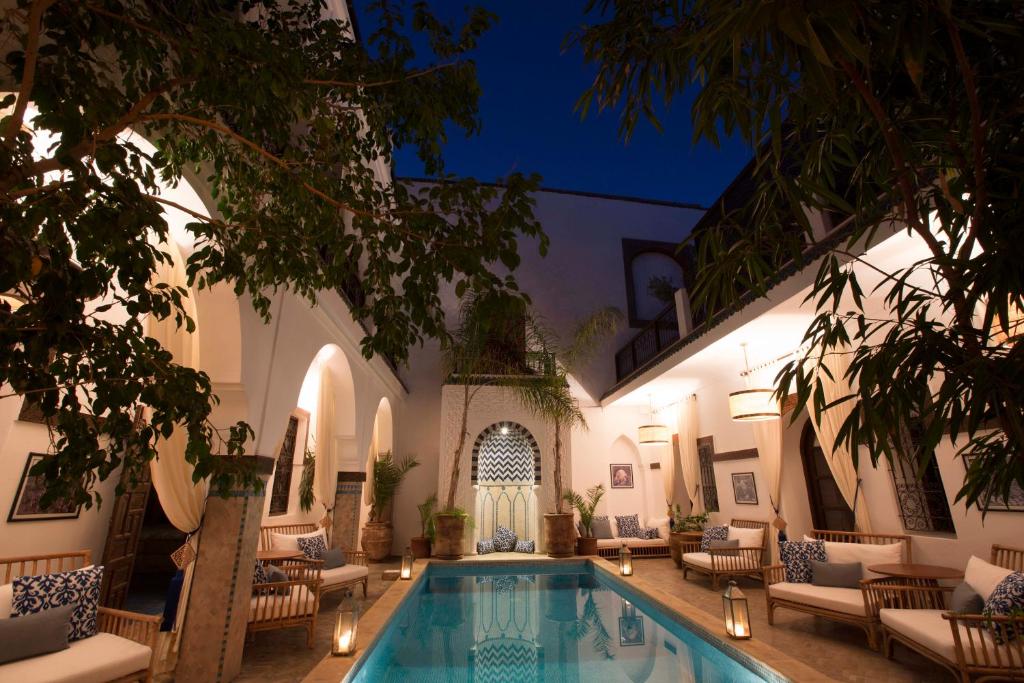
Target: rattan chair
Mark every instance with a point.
(329, 584)
(732, 562)
(286, 604)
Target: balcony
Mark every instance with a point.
(648, 343)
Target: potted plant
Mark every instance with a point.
(685, 529)
(420, 545)
(586, 544)
(387, 477)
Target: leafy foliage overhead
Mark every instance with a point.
(288, 123)
(865, 112)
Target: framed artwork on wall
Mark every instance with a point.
(744, 489)
(631, 631)
(621, 476)
(27, 506)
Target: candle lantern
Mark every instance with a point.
(737, 612)
(625, 561)
(345, 623)
(407, 560)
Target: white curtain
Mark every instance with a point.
(838, 456)
(370, 459)
(687, 427)
(668, 474)
(325, 478)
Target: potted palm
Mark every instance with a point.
(420, 545)
(388, 474)
(586, 544)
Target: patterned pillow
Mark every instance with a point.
(505, 540)
(797, 556)
(524, 546)
(259, 574)
(713, 533)
(33, 594)
(650, 534)
(1006, 600)
(485, 546)
(312, 547)
(629, 526)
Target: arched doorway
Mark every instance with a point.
(505, 472)
(828, 508)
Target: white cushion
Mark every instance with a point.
(984, 576)
(347, 572)
(289, 542)
(6, 600)
(99, 658)
(704, 560)
(846, 600)
(748, 538)
(927, 627)
(631, 542)
(661, 524)
(300, 600)
(866, 553)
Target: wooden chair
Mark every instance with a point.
(743, 561)
(869, 620)
(977, 655)
(286, 604)
(140, 628)
(328, 585)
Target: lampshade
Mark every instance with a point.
(654, 434)
(754, 405)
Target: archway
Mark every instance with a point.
(506, 470)
(828, 509)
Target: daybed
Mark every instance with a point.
(353, 572)
(640, 547)
(745, 560)
(121, 651)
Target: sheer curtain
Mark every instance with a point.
(325, 482)
(687, 427)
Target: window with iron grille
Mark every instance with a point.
(922, 499)
(283, 474)
(706, 456)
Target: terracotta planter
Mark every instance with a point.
(559, 535)
(420, 547)
(449, 530)
(675, 541)
(586, 546)
(377, 538)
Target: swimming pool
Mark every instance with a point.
(542, 622)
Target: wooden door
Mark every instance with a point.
(123, 540)
(828, 508)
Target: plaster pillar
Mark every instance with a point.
(213, 636)
(347, 501)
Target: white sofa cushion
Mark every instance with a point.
(300, 600)
(96, 659)
(866, 553)
(984, 576)
(348, 572)
(290, 542)
(6, 600)
(927, 627)
(631, 542)
(704, 560)
(661, 524)
(748, 538)
(845, 600)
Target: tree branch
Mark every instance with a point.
(28, 76)
(376, 84)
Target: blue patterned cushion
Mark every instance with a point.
(1006, 600)
(505, 540)
(629, 526)
(524, 546)
(485, 546)
(650, 534)
(312, 547)
(259, 574)
(713, 533)
(797, 556)
(33, 594)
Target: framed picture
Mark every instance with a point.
(744, 489)
(631, 631)
(27, 507)
(622, 476)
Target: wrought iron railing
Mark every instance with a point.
(657, 336)
(525, 364)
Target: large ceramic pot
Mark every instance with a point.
(377, 540)
(559, 535)
(586, 546)
(676, 539)
(420, 546)
(448, 532)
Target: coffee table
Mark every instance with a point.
(920, 572)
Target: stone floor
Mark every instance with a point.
(838, 650)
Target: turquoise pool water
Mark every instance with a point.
(541, 622)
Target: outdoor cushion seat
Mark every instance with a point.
(630, 542)
(845, 600)
(928, 628)
(276, 606)
(96, 659)
(703, 560)
(348, 572)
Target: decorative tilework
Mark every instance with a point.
(33, 594)
(713, 533)
(1006, 600)
(504, 540)
(509, 457)
(629, 526)
(312, 547)
(797, 556)
(524, 546)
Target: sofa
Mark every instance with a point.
(640, 547)
(292, 602)
(122, 650)
(353, 573)
(745, 560)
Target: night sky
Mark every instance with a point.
(530, 88)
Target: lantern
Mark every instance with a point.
(407, 560)
(345, 623)
(625, 561)
(737, 613)
(754, 405)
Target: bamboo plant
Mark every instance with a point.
(585, 506)
(388, 474)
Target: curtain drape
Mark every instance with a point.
(838, 456)
(687, 427)
(371, 457)
(325, 482)
(768, 439)
(668, 474)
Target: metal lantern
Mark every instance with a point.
(625, 561)
(407, 560)
(737, 612)
(345, 622)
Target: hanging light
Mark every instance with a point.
(737, 612)
(345, 622)
(654, 433)
(625, 561)
(15, 301)
(407, 560)
(753, 405)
